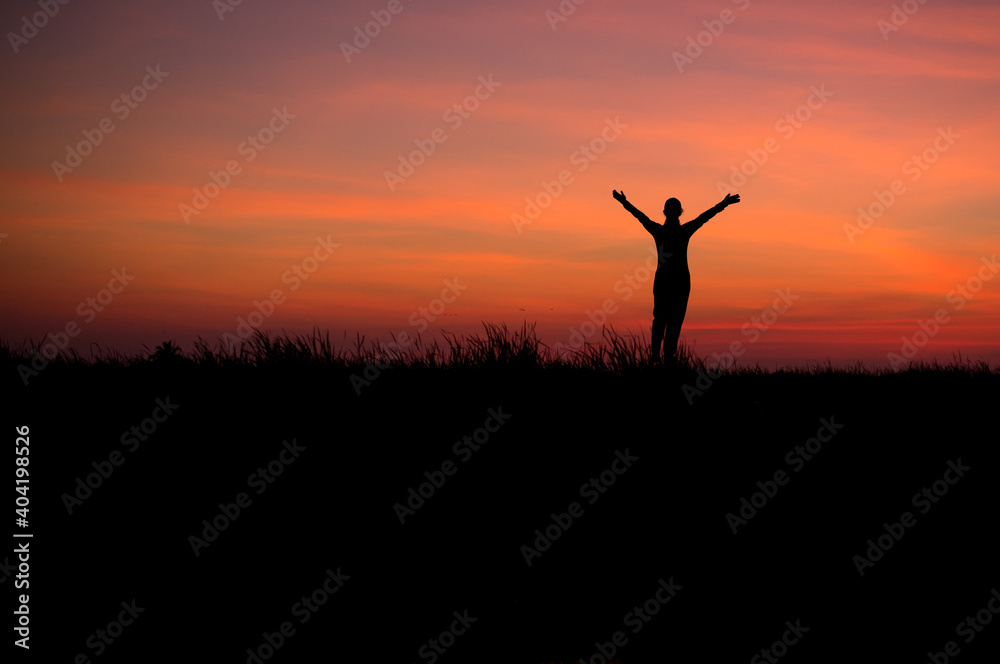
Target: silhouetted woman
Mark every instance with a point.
(672, 283)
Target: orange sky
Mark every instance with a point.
(875, 103)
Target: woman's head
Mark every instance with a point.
(672, 208)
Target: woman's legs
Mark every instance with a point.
(673, 333)
(670, 302)
(659, 325)
(676, 309)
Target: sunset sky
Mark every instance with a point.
(808, 111)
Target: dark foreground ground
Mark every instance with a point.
(649, 568)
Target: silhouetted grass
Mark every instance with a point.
(498, 346)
